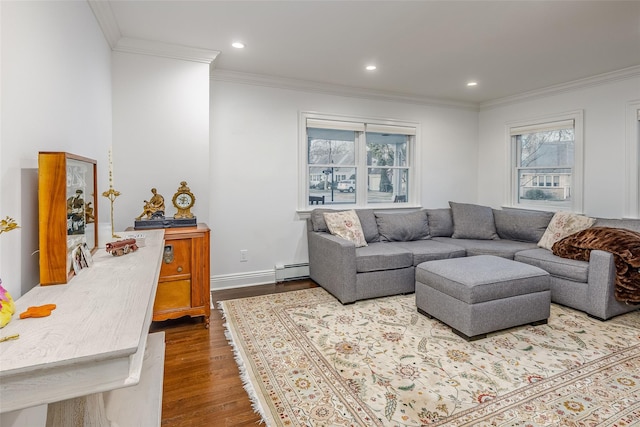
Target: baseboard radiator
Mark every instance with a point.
(291, 272)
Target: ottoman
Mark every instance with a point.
(481, 294)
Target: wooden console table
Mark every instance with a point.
(94, 353)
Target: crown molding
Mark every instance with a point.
(104, 15)
(107, 21)
(332, 89)
(166, 50)
(597, 80)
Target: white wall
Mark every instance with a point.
(605, 112)
(56, 96)
(160, 133)
(254, 170)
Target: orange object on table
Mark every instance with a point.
(38, 311)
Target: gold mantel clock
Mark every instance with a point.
(183, 200)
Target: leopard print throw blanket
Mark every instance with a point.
(622, 243)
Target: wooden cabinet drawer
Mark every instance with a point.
(172, 295)
(176, 258)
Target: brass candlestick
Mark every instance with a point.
(111, 195)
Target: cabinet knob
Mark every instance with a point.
(179, 269)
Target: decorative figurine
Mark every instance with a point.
(122, 247)
(154, 208)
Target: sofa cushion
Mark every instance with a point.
(472, 222)
(501, 248)
(521, 225)
(562, 225)
(403, 227)
(382, 256)
(629, 224)
(429, 250)
(346, 224)
(560, 267)
(440, 222)
(367, 221)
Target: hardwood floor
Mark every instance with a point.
(202, 386)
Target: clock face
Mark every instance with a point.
(184, 200)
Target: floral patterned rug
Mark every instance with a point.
(307, 360)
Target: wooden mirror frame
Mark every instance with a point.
(67, 191)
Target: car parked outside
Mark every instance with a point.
(347, 185)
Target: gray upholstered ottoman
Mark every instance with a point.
(481, 294)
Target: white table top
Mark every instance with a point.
(93, 341)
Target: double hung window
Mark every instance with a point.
(545, 160)
(357, 162)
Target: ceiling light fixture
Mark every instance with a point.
(471, 84)
(238, 45)
(371, 67)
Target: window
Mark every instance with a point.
(357, 162)
(545, 159)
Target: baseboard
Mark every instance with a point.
(281, 273)
(240, 280)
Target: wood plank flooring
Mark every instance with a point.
(202, 386)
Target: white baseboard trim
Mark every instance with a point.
(240, 280)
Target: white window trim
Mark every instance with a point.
(632, 155)
(577, 194)
(414, 162)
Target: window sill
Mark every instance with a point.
(306, 213)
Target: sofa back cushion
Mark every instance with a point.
(473, 222)
(403, 227)
(440, 222)
(521, 225)
(367, 221)
(629, 224)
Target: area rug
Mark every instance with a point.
(307, 360)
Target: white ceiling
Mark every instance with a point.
(426, 49)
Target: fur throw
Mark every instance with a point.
(622, 243)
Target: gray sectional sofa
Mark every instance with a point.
(398, 242)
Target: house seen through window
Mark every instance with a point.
(544, 159)
(357, 162)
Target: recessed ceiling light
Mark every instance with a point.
(238, 45)
(471, 84)
(370, 67)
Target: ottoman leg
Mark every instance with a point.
(468, 338)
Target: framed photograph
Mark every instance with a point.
(68, 214)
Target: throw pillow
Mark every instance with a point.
(367, 222)
(473, 222)
(346, 224)
(521, 225)
(403, 227)
(562, 225)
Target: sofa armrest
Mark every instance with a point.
(332, 264)
(601, 282)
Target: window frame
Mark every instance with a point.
(632, 163)
(413, 163)
(577, 169)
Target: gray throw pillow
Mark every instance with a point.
(440, 222)
(367, 221)
(403, 227)
(521, 225)
(473, 222)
